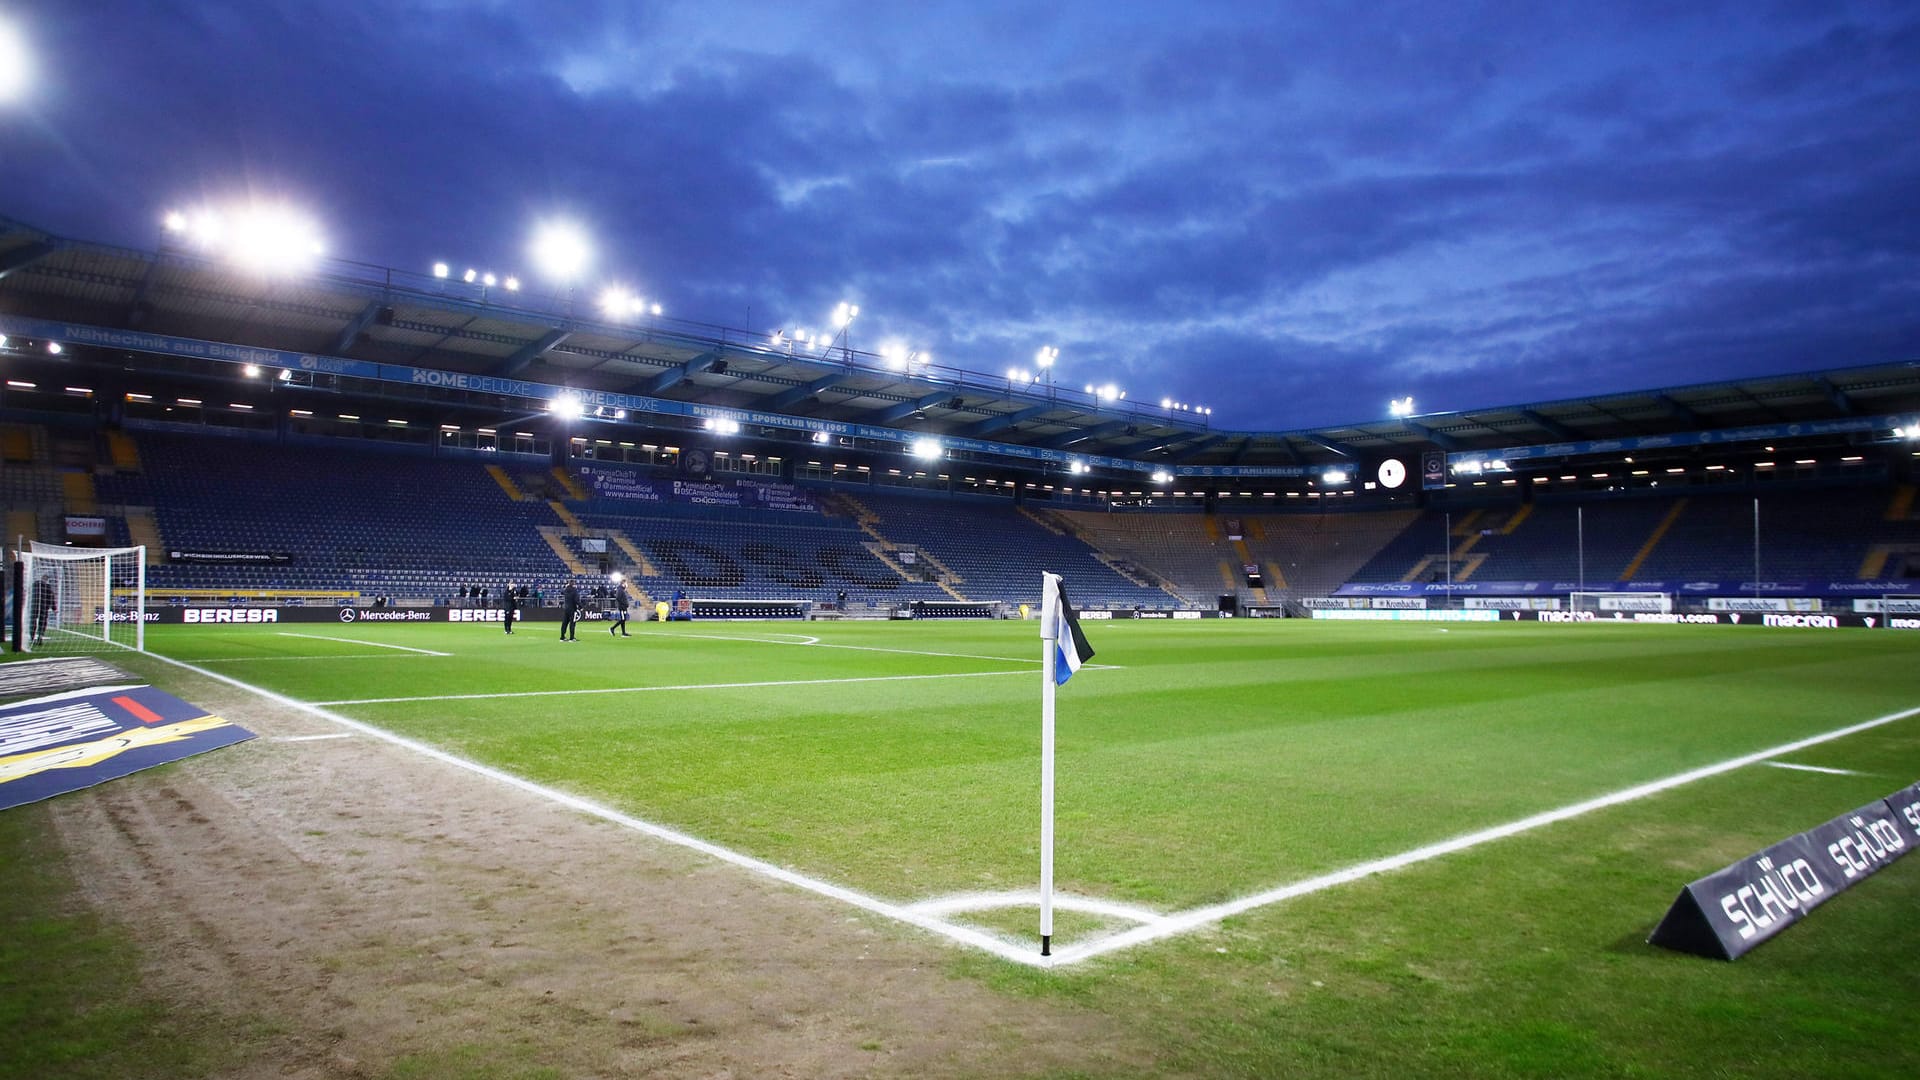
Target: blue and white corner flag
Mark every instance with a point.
(1061, 625)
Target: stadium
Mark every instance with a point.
(422, 673)
(315, 494)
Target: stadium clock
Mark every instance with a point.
(1393, 473)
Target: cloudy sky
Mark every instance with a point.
(1290, 211)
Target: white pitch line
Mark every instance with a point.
(961, 903)
(1194, 918)
(1814, 768)
(660, 689)
(361, 641)
(961, 934)
(314, 738)
(816, 643)
(333, 656)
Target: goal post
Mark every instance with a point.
(74, 601)
(1900, 603)
(1608, 603)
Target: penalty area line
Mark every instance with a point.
(963, 935)
(362, 641)
(1186, 921)
(660, 689)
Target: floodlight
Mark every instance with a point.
(174, 222)
(470, 275)
(16, 67)
(613, 301)
(1166, 403)
(845, 314)
(566, 405)
(1162, 476)
(657, 309)
(1046, 356)
(3, 344)
(1077, 468)
(487, 280)
(286, 375)
(615, 577)
(1109, 392)
(926, 448)
(251, 371)
(513, 284)
(561, 250)
(441, 270)
(1335, 476)
(820, 437)
(54, 348)
(1400, 406)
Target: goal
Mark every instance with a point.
(1609, 603)
(73, 601)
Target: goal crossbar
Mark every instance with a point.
(1606, 602)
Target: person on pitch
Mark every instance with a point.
(570, 612)
(620, 602)
(508, 606)
(43, 605)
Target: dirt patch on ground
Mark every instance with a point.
(361, 906)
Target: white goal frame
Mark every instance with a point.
(1900, 603)
(82, 590)
(1626, 603)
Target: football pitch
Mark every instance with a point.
(1463, 834)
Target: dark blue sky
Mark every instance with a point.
(1291, 212)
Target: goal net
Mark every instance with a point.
(72, 601)
(1608, 603)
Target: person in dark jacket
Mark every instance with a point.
(620, 603)
(508, 607)
(43, 605)
(570, 612)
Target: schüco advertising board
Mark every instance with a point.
(1730, 911)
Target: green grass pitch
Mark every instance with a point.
(1220, 759)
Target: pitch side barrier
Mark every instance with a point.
(1777, 620)
(1734, 909)
(273, 615)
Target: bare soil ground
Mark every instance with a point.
(357, 909)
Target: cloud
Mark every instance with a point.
(1294, 213)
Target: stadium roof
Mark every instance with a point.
(354, 312)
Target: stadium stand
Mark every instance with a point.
(736, 553)
(404, 522)
(1176, 547)
(988, 551)
(377, 521)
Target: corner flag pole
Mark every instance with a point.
(1049, 614)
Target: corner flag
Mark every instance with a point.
(1063, 648)
(1062, 625)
